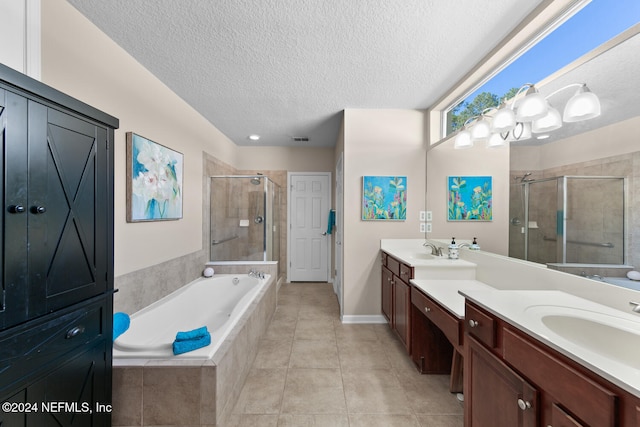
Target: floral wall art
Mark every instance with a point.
(384, 198)
(470, 198)
(154, 180)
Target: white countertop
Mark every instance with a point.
(446, 292)
(618, 360)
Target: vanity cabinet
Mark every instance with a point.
(396, 297)
(514, 374)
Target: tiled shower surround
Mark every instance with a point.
(176, 392)
(623, 166)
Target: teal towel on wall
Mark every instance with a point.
(332, 221)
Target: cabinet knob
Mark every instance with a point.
(523, 404)
(38, 209)
(403, 273)
(473, 323)
(16, 209)
(427, 309)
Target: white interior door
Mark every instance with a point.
(309, 201)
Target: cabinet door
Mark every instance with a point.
(81, 384)
(13, 119)
(495, 395)
(67, 209)
(387, 291)
(401, 310)
(15, 418)
(559, 418)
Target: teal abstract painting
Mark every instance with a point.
(470, 198)
(384, 198)
(154, 180)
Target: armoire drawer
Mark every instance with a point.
(33, 347)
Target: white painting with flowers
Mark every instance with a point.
(154, 180)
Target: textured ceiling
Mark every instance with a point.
(287, 68)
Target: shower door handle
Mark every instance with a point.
(324, 234)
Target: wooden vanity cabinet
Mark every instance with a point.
(510, 371)
(396, 297)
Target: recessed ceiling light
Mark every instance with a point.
(543, 136)
(254, 137)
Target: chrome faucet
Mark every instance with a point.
(435, 250)
(635, 305)
(463, 245)
(256, 274)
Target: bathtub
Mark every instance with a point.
(152, 386)
(216, 302)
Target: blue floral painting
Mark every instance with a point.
(470, 198)
(154, 180)
(384, 198)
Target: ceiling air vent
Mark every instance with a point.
(300, 139)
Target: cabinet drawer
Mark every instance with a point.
(32, 348)
(597, 405)
(383, 258)
(447, 323)
(480, 325)
(406, 272)
(393, 265)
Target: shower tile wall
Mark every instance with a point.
(214, 166)
(601, 226)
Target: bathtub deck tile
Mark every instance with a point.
(175, 405)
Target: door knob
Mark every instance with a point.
(16, 209)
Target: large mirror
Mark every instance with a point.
(575, 197)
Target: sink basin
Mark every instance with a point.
(613, 337)
(421, 256)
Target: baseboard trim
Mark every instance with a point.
(378, 318)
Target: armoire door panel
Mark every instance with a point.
(13, 119)
(66, 151)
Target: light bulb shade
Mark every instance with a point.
(480, 130)
(503, 121)
(497, 141)
(521, 132)
(584, 105)
(463, 140)
(532, 107)
(551, 121)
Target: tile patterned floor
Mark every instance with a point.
(311, 370)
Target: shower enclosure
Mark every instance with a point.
(244, 218)
(568, 220)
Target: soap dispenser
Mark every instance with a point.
(453, 249)
(474, 245)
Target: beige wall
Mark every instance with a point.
(292, 159)
(377, 142)
(80, 60)
(443, 161)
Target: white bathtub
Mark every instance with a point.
(216, 302)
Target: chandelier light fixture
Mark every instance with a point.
(523, 117)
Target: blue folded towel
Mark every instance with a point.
(193, 334)
(180, 347)
(121, 322)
